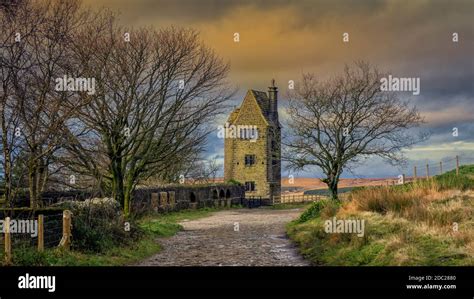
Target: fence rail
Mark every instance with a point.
(301, 198)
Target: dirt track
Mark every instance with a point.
(213, 241)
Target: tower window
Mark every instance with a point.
(249, 186)
(249, 160)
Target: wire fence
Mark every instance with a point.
(53, 230)
(425, 171)
(28, 228)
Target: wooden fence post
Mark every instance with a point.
(8, 242)
(427, 171)
(40, 232)
(66, 239)
(440, 167)
(457, 165)
(414, 173)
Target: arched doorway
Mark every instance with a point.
(221, 194)
(192, 197)
(227, 194)
(214, 194)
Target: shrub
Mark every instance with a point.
(25, 255)
(98, 225)
(330, 209)
(234, 182)
(313, 211)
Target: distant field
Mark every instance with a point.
(315, 186)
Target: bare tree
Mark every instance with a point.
(11, 19)
(43, 32)
(154, 95)
(345, 119)
(204, 171)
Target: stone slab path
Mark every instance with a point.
(213, 241)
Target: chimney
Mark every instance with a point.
(273, 96)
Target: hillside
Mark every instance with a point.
(429, 222)
(302, 185)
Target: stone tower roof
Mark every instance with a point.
(263, 102)
(233, 115)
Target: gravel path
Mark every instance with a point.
(215, 241)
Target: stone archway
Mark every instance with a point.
(192, 197)
(221, 194)
(227, 194)
(215, 194)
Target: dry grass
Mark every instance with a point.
(425, 203)
(418, 224)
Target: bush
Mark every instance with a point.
(98, 225)
(234, 182)
(28, 256)
(313, 211)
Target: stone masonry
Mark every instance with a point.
(262, 176)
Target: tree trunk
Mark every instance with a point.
(333, 189)
(331, 181)
(117, 182)
(129, 186)
(7, 173)
(127, 202)
(32, 185)
(6, 160)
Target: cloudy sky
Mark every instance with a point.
(283, 39)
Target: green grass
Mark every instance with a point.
(154, 227)
(326, 192)
(287, 206)
(166, 225)
(417, 233)
(181, 215)
(446, 181)
(115, 257)
(386, 242)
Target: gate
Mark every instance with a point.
(255, 202)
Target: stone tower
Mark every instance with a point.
(252, 144)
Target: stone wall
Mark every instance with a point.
(160, 199)
(173, 198)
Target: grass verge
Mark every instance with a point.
(429, 223)
(157, 226)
